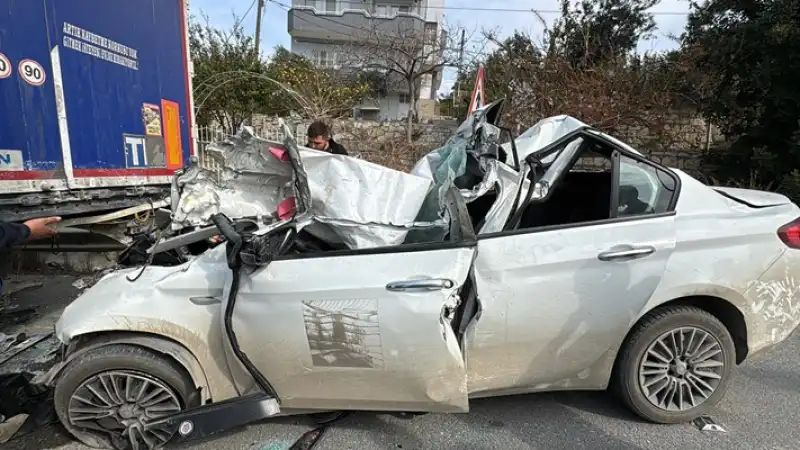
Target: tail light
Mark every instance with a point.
(790, 233)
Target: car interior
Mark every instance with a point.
(582, 194)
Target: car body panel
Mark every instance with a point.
(181, 304)
(757, 199)
(551, 308)
(328, 334)
(743, 261)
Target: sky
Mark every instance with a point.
(670, 17)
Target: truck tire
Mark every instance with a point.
(115, 389)
(675, 365)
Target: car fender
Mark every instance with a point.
(181, 305)
(89, 342)
(604, 365)
(673, 293)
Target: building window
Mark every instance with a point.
(430, 33)
(325, 58)
(402, 9)
(404, 98)
(380, 10)
(330, 5)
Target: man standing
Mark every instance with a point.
(319, 138)
(13, 234)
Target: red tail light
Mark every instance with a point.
(790, 233)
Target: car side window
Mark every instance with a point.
(643, 188)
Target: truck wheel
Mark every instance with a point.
(675, 366)
(105, 396)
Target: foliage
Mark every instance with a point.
(538, 83)
(313, 91)
(231, 83)
(593, 32)
(221, 96)
(747, 59)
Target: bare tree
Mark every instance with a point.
(404, 53)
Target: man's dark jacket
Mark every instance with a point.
(12, 234)
(336, 148)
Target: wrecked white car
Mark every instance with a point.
(567, 262)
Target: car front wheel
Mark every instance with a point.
(106, 397)
(676, 365)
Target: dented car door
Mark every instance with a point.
(557, 301)
(359, 330)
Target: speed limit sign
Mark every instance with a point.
(32, 72)
(5, 67)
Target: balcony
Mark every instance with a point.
(309, 24)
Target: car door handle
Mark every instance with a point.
(428, 284)
(630, 253)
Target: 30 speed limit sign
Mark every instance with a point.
(32, 72)
(5, 67)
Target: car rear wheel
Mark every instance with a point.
(676, 365)
(106, 396)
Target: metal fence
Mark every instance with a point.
(209, 134)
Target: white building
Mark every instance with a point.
(319, 28)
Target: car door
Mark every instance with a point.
(557, 301)
(358, 331)
(364, 329)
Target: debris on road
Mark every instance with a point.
(81, 283)
(15, 286)
(25, 354)
(89, 281)
(26, 405)
(8, 428)
(706, 423)
(11, 346)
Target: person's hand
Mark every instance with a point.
(41, 228)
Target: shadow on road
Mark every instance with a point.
(562, 427)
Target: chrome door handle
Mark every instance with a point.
(630, 253)
(429, 284)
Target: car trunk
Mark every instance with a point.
(753, 198)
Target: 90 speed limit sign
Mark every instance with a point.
(32, 72)
(5, 67)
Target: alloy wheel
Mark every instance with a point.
(681, 369)
(120, 403)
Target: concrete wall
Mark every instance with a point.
(676, 141)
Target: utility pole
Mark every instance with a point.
(460, 65)
(259, 13)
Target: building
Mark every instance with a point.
(319, 29)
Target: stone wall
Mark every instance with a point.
(675, 139)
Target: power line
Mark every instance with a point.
(509, 10)
(241, 19)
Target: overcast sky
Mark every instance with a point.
(670, 17)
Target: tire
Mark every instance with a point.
(135, 365)
(658, 324)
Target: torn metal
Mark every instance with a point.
(345, 200)
(350, 203)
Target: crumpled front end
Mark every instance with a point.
(343, 200)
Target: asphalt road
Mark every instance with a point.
(760, 411)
